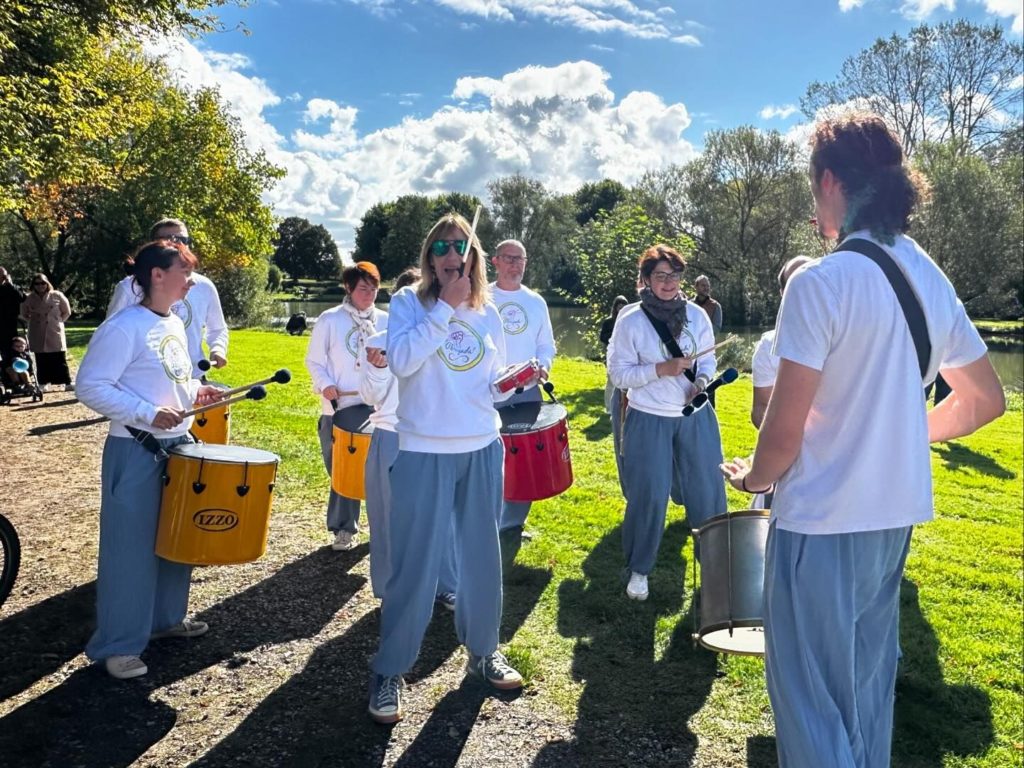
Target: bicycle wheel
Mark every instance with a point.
(10, 557)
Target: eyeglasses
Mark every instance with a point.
(667, 277)
(439, 248)
(510, 259)
(183, 239)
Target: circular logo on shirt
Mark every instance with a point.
(513, 318)
(183, 309)
(352, 341)
(687, 345)
(175, 360)
(463, 348)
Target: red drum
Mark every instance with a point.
(537, 461)
(518, 376)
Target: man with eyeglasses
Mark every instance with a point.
(528, 335)
(200, 311)
(11, 297)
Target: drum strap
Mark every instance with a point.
(909, 302)
(147, 441)
(671, 344)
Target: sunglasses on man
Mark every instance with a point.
(439, 248)
(183, 239)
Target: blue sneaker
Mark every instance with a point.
(386, 698)
(447, 599)
(494, 669)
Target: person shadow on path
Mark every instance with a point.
(635, 706)
(94, 721)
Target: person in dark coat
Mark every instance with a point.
(11, 297)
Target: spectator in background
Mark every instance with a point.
(11, 297)
(46, 310)
(606, 335)
(703, 300)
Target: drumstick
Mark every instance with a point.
(283, 376)
(256, 392)
(703, 352)
(469, 243)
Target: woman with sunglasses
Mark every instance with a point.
(137, 373)
(446, 347)
(46, 311)
(662, 449)
(334, 359)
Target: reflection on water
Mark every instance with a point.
(568, 324)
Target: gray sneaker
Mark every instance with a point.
(386, 698)
(495, 670)
(447, 599)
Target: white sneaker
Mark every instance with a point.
(637, 587)
(344, 541)
(125, 667)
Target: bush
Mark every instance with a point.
(243, 293)
(274, 278)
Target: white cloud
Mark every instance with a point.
(919, 10)
(685, 40)
(597, 16)
(561, 125)
(1017, 82)
(849, 5)
(1008, 8)
(771, 111)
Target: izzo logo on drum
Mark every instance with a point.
(215, 520)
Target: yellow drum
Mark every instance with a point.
(214, 425)
(215, 508)
(351, 442)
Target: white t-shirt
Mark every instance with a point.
(764, 366)
(332, 357)
(136, 361)
(636, 349)
(527, 323)
(864, 463)
(446, 362)
(200, 311)
(377, 386)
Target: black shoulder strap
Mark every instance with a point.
(664, 334)
(912, 310)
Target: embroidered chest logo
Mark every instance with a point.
(183, 309)
(352, 341)
(513, 318)
(174, 358)
(687, 345)
(464, 347)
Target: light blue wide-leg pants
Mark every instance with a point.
(658, 452)
(342, 512)
(137, 593)
(382, 454)
(514, 513)
(427, 491)
(831, 623)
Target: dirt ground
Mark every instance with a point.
(280, 680)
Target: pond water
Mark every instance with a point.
(1007, 353)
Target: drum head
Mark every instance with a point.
(530, 417)
(226, 454)
(744, 641)
(353, 418)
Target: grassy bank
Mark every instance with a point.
(626, 673)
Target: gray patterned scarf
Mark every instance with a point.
(671, 312)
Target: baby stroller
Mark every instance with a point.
(18, 379)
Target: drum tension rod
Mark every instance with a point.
(244, 487)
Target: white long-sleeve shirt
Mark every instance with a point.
(378, 387)
(136, 362)
(636, 349)
(200, 311)
(332, 357)
(446, 362)
(527, 324)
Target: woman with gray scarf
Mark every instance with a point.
(661, 448)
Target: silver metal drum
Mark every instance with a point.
(732, 582)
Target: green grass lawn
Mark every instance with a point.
(1014, 327)
(626, 671)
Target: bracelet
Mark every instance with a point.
(743, 485)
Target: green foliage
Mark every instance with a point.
(972, 226)
(275, 277)
(594, 197)
(243, 291)
(746, 204)
(306, 250)
(606, 253)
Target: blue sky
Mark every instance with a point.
(362, 100)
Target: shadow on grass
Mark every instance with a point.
(635, 707)
(933, 719)
(50, 428)
(587, 413)
(46, 404)
(94, 721)
(958, 456)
